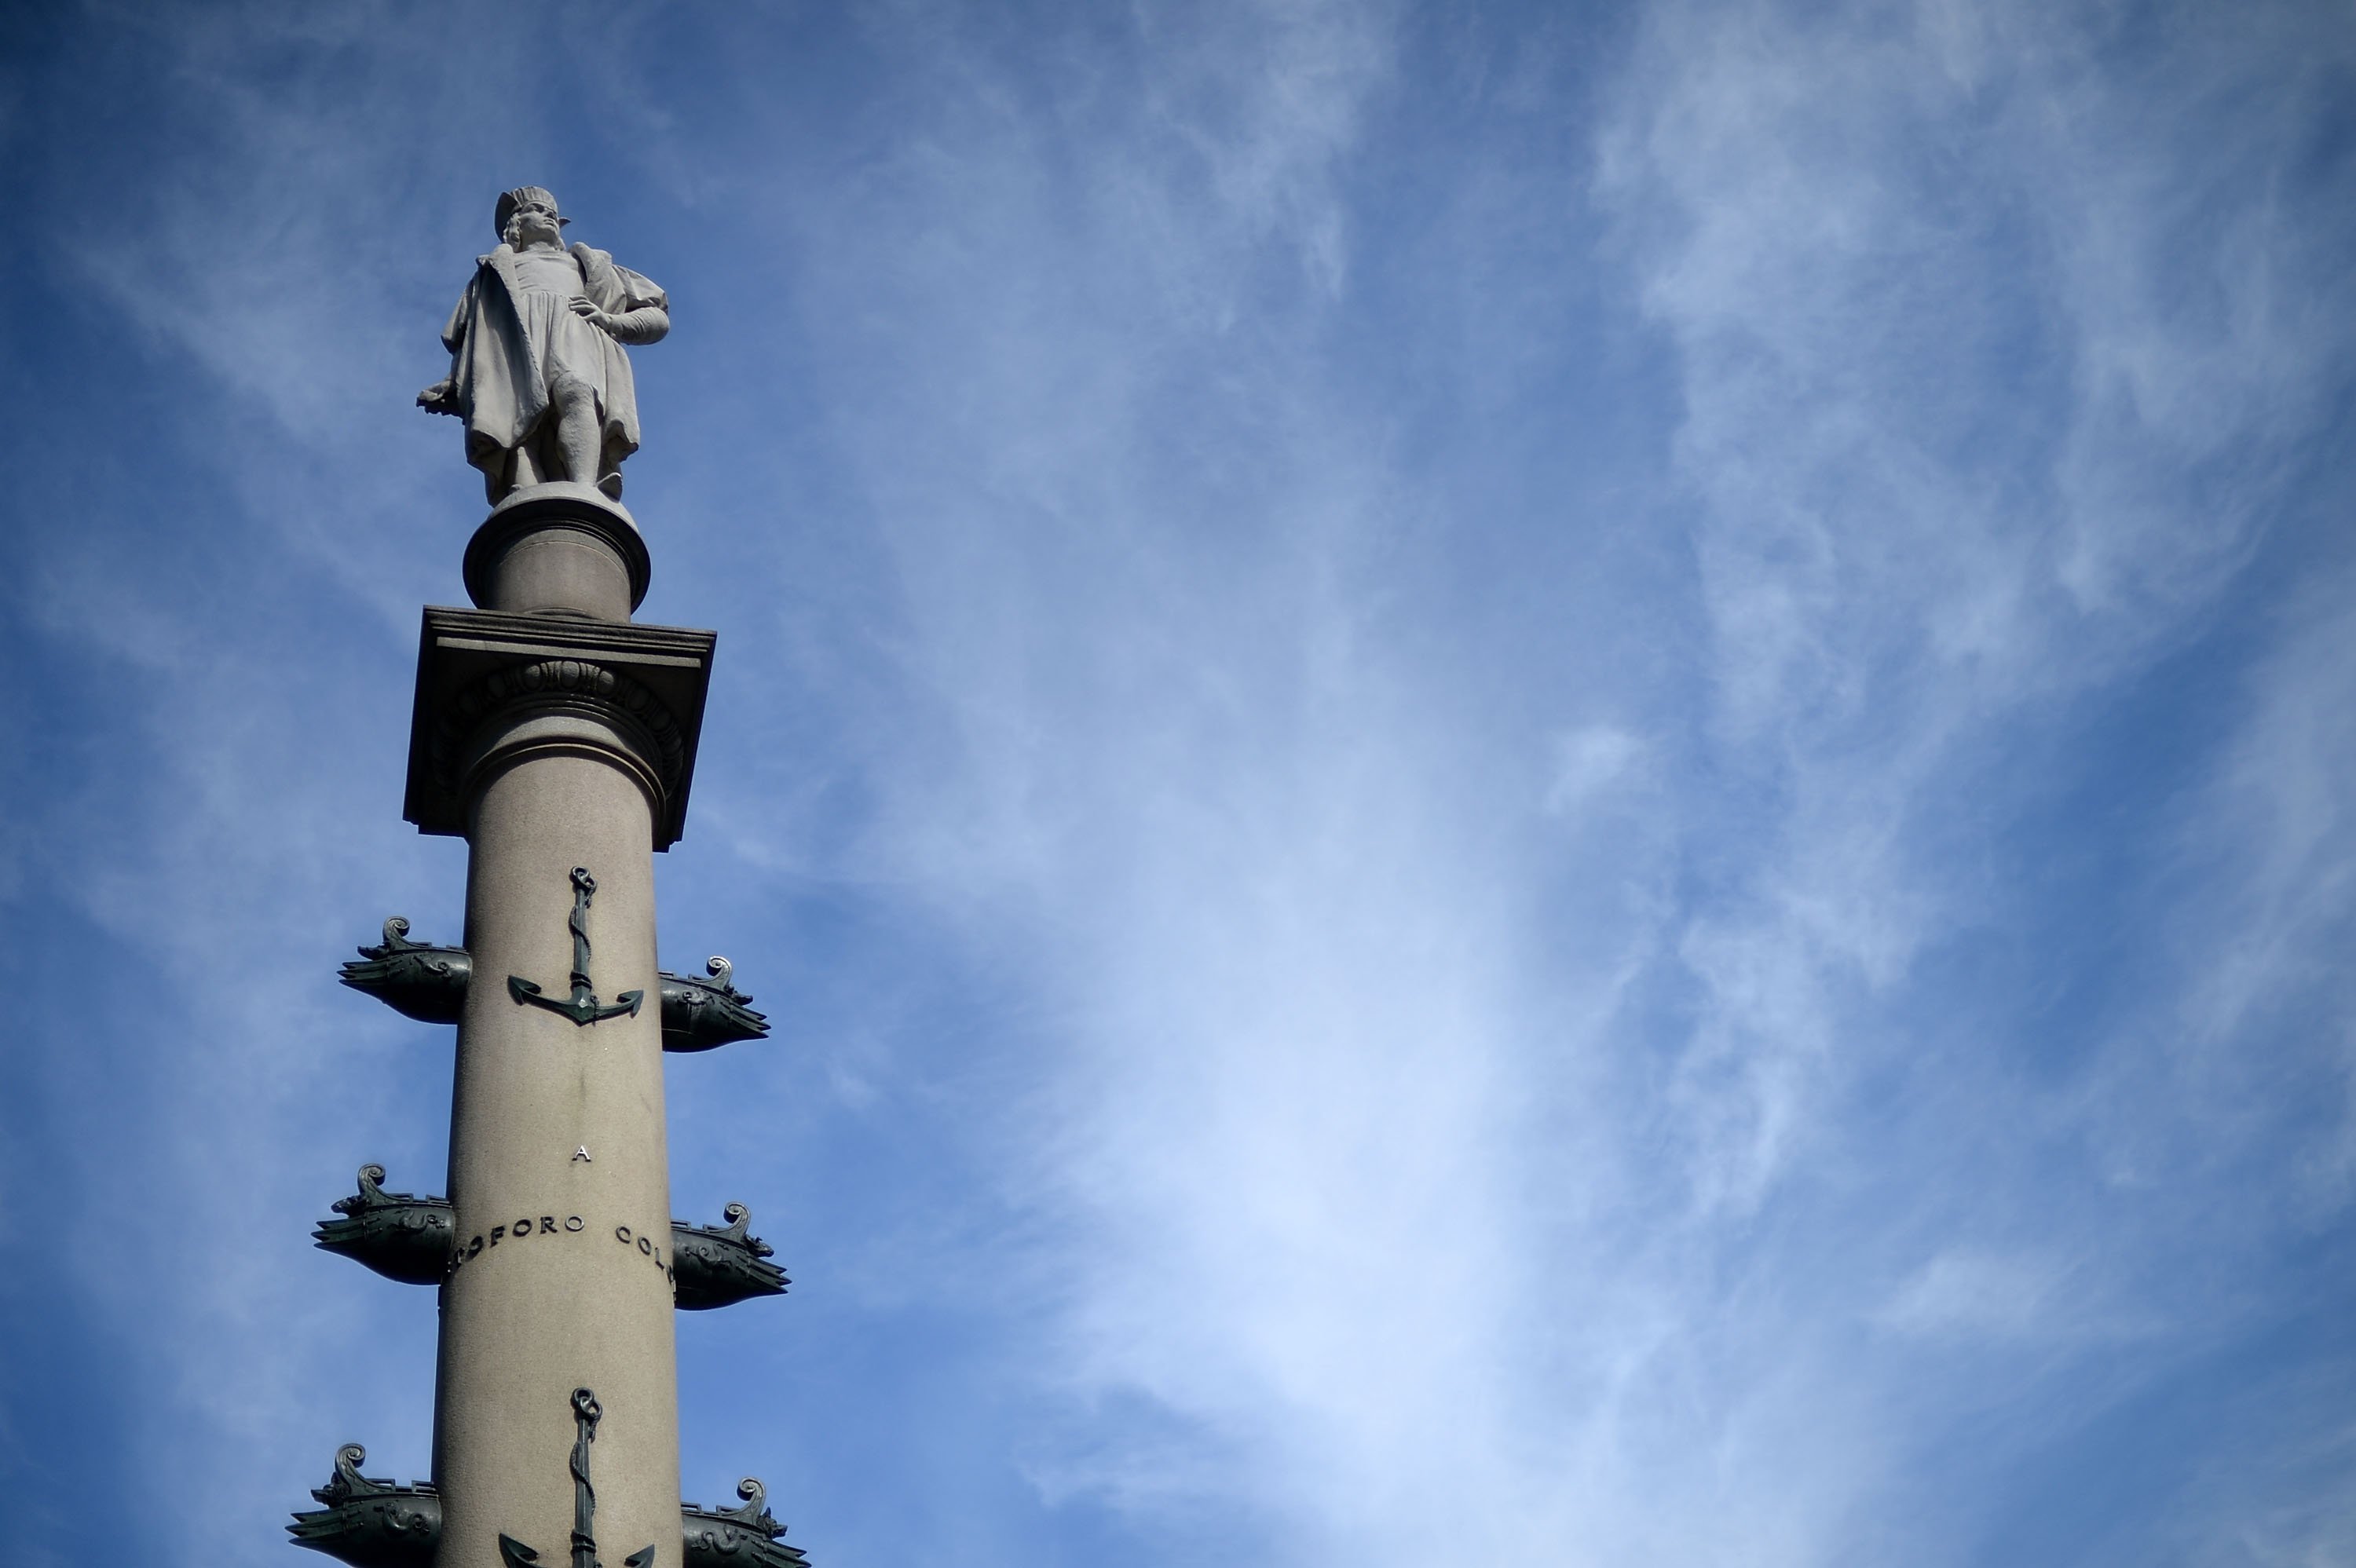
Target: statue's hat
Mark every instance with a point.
(511, 200)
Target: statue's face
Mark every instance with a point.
(533, 223)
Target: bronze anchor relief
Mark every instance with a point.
(582, 1007)
(514, 1553)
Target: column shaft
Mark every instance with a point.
(562, 1281)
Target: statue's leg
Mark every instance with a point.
(576, 428)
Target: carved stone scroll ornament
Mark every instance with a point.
(582, 1007)
(367, 1522)
(416, 979)
(399, 1235)
(412, 1239)
(429, 984)
(743, 1537)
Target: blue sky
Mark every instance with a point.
(1554, 785)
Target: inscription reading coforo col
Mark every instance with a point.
(530, 1227)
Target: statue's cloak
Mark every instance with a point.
(499, 368)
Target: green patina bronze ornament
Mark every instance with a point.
(415, 980)
(429, 984)
(399, 1235)
(720, 1267)
(367, 1522)
(411, 1239)
(698, 1015)
(582, 1007)
(743, 1537)
(372, 1523)
(514, 1553)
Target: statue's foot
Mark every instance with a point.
(612, 484)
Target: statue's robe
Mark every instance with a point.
(501, 369)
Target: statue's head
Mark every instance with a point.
(526, 213)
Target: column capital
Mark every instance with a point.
(645, 685)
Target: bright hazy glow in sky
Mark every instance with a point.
(1556, 786)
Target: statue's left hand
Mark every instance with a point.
(589, 311)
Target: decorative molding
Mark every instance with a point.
(578, 679)
(720, 1267)
(697, 1014)
(481, 674)
(367, 1522)
(399, 1235)
(416, 979)
(582, 1007)
(742, 1536)
(412, 1240)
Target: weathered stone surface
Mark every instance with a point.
(551, 1118)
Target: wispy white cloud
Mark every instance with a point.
(1964, 1293)
(1367, 1157)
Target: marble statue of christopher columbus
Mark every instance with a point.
(537, 370)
